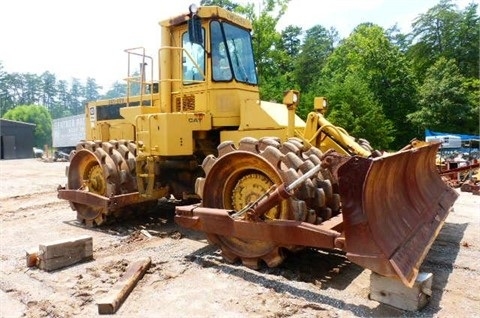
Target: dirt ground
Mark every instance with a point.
(188, 278)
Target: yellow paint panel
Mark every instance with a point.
(279, 113)
(265, 115)
(172, 134)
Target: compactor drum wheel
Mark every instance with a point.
(104, 169)
(240, 176)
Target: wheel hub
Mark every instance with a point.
(248, 189)
(95, 181)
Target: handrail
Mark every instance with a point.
(139, 79)
(180, 71)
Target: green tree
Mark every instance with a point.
(369, 54)
(32, 88)
(118, 89)
(59, 97)
(226, 4)
(317, 46)
(289, 46)
(37, 115)
(445, 100)
(472, 121)
(445, 31)
(49, 89)
(15, 87)
(76, 97)
(6, 99)
(282, 76)
(60, 107)
(265, 37)
(291, 41)
(91, 90)
(353, 106)
(401, 40)
(23, 88)
(468, 47)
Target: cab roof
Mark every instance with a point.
(209, 12)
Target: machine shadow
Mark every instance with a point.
(158, 221)
(440, 259)
(331, 271)
(324, 268)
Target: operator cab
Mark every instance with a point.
(207, 64)
(230, 52)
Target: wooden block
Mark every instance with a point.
(32, 257)
(122, 288)
(392, 292)
(63, 253)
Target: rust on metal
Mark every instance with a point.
(283, 232)
(393, 209)
(83, 197)
(98, 201)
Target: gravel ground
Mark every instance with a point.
(189, 278)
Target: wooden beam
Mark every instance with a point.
(63, 253)
(393, 292)
(122, 288)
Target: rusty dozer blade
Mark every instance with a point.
(393, 208)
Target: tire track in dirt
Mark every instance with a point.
(18, 206)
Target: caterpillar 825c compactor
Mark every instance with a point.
(256, 178)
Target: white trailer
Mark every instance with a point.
(448, 141)
(66, 133)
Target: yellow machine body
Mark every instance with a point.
(201, 133)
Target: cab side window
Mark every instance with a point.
(193, 57)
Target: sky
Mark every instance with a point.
(87, 38)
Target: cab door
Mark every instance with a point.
(189, 90)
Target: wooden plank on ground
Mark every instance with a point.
(122, 288)
(63, 253)
(393, 292)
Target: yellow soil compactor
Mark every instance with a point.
(251, 174)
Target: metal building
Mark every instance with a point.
(16, 139)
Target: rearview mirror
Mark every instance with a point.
(195, 30)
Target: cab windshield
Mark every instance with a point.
(232, 54)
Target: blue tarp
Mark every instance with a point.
(463, 137)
